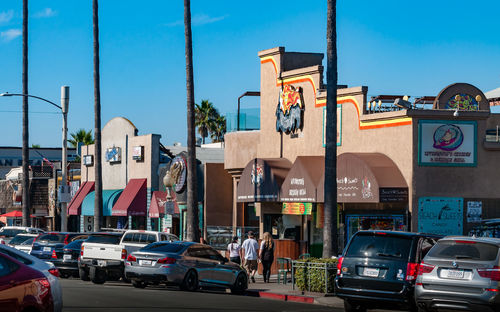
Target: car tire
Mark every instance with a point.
(350, 306)
(240, 285)
(84, 275)
(97, 276)
(139, 284)
(190, 282)
(125, 279)
(421, 309)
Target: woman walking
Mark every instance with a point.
(234, 251)
(266, 255)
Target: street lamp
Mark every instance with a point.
(64, 109)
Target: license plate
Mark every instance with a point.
(371, 272)
(67, 257)
(455, 274)
(47, 249)
(145, 262)
(101, 262)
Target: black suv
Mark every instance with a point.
(378, 269)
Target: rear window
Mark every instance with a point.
(11, 232)
(28, 241)
(464, 250)
(163, 247)
(143, 238)
(51, 238)
(104, 239)
(379, 246)
(19, 239)
(75, 244)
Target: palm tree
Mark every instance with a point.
(330, 247)
(81, 136)
(204, 116)
(218, 129)
(26, 207)
(192, 195)
(35, 146)
(97, 121)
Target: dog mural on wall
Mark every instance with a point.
(290, 110)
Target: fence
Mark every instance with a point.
(315, 275)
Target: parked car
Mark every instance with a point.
(134, 240)
(48, 269)
(378, 269)
(23, 288)
(20, 238)
(189, 265)
(66, 258)
(460, 273)
(8, 232)
(46, 243)
(26, 245)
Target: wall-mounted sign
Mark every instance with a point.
(440, 215)
(339, 125)
(138, 153)
(297, 208)
(178, 173)
(462, 101)
(290, 110)
(88, 160)
(447, 143)
(393, 195)
(474, 211)
(114, 154)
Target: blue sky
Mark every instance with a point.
(393, 47)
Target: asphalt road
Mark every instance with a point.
(79, 296)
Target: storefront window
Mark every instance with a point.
(385, 222)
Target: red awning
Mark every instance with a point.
(15, 214)
(157, 206)
(132, 201)
(75, 206)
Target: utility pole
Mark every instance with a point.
(64, 183)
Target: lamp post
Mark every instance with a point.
(64, 110)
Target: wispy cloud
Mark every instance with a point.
(10, 34)
(47, 12)
(6, 16)
(198, 20)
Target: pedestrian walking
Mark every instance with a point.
(266, 255)
(250, 250)
(234, 250)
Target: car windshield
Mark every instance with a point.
(379, 246)
(51, 238)
(19, 239)
(163, 247)
(11, 232)
(104, 239)
(457, 249)
(28, 241)
(75, 244)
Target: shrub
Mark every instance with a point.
(311, 277)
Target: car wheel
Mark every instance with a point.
(84, 275)
(190, 282)
(97, 276)
(350, 306)
(240, 285)
(125, 279)
(139, 284)
(423, 309)
(63, 275)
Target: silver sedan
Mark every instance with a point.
(189, 265)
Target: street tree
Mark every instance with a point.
(81, 136)
(192, 195)
(218, 129)
(26, 206)
(330, 247)
(204, 118)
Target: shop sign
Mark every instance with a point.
(339, 125)
(440, 215)
(88, 160)
(168, 221)
(289, 112)
(113, 154)
(178, 173)
(447, 143)
(393, 195)
(351, 189)
(138, 153)
(297, 208)
(169, 207)
(474, 211)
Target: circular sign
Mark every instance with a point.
(178, 173)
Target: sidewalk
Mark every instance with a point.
(276, 291)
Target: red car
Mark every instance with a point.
(22, 287)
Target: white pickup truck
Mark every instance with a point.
(103, 254)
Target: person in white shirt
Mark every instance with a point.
(234, 250)
(250, 250)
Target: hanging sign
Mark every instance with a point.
(297, 208)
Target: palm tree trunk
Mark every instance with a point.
(330, 247)
(97, 121)
(192, 198)
(25, 183)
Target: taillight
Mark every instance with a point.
(44, 287)
(131, 258)
(124, 254)
(54, 271)
(412, 271)
(54, 255)
(424, 268)
(167, 260)
(493, 273)
(339, 265)
(66, 239)
(81, 251)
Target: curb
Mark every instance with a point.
(281, 297)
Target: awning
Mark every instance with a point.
(362, 176)
(302, 181)
(261, 180)
(109, 198)
(74, 207)
(133, 200)
(158, 201)
(15, 214)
